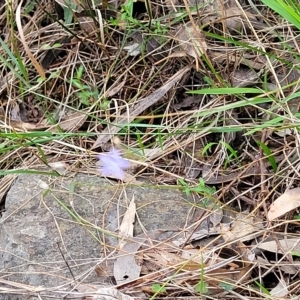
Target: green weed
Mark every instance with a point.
(201, 188)
(202, 286)
(86, 94)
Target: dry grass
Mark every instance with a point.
(93, 91)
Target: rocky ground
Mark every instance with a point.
(55, 232)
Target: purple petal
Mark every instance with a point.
(115, 155)
(111, 171)
(114, 152)
(113, 164)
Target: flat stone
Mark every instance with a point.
(55, 231)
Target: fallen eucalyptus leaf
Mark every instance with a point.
(281, 246)
(126, 227)
(284, 204)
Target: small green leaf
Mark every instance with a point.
(49, 47)
(79, 72)
(182, 182)
(294, 253)
(226, 286)
(40, 79)
(157, 288)
(201, 287)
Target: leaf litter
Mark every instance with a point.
(142, 99)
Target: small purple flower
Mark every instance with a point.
(113, 164)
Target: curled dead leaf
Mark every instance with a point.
(243, 77)
(20, 125)
(231, 14)
(191, 40)
(72, 122)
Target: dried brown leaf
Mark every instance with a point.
(289, 268)
(35, 63)
(191, 167)
(125, 266)
(281, 246)
(245, 228)
(20, 125)
(190, 102)
(126, 227)
(243, 77)
(114, 89)
(87, 24)
(192, 40)
(284, 204)
(73, 122)
(232, 15)
(216, 217)
(230, 265)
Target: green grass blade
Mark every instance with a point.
(269, 154)
(229, 106)
(285, 10)
(226, 91)
(22, 171)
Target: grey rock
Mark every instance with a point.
(51, 239)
